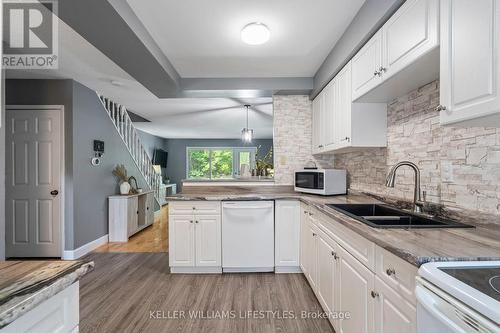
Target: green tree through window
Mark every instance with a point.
(210, 163)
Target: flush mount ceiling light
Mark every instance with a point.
(255, 33)
(247, 133)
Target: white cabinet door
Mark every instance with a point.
(329, 110)
(208, 240)
(311, 248)
(355, 285)
(327, 270)
(181, 240)
(343, 107)
(132, 215)
(393, 313)
(410, 33)
(316, 123)
(469, 66)
(366, 65)
(304, 229)
(287, 233)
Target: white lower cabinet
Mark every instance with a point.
(287, 236)
(311, 253)
(344, 277)
(327, 274)
(195, 238)
(181, 240)
(207, 240)
(393, 313)
(59, 313)
(355, 287)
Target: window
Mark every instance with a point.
(218, 163)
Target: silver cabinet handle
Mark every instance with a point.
(346, 139)
(376, 73)
(440, 108)
(335, 256)
(314, 235)
(390, 271)
(382, 69)
(374, 294)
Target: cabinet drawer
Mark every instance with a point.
(358, 246)
(396, 273)
(194, 207)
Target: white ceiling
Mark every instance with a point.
(202, 38)
(209, 118)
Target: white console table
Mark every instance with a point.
(166, 190)
(129, 214)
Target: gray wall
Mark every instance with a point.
(87, 187)
(176, 167)
(371, 16)
(92, 185)
(150, 142)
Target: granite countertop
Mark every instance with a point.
(416, 246)
(26, 284)
(232, 180)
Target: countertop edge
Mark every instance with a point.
(345, 220)
(18, 306)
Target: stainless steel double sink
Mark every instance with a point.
(385, 216)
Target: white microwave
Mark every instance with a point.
(321, 181)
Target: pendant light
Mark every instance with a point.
(247, 133)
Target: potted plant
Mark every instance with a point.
(120, 172)
(264, 165)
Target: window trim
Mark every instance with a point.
(210, 159)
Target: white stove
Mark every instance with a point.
(458, 297)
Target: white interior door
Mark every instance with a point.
(33, 182)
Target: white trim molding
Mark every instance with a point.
(84, 249)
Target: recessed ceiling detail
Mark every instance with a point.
(203, 38)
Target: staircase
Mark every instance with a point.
(123, 124)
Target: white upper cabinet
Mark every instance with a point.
(366, 65)
(329, 120)
(470, 65)
(317, 125)
(340, 124)
(411, 32)
(402, 56)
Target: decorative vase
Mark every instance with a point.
(124, 188)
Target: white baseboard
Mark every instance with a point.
(84, 249)
(195, 270)
(287, 269)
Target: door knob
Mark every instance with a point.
(54, 192)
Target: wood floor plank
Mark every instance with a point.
(124, 287)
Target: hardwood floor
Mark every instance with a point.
(134, 292)
(151, 239)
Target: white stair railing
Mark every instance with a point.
(123, 124)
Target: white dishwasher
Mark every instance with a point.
(248, 236)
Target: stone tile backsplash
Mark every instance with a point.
(293, 137)
(470, 155)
